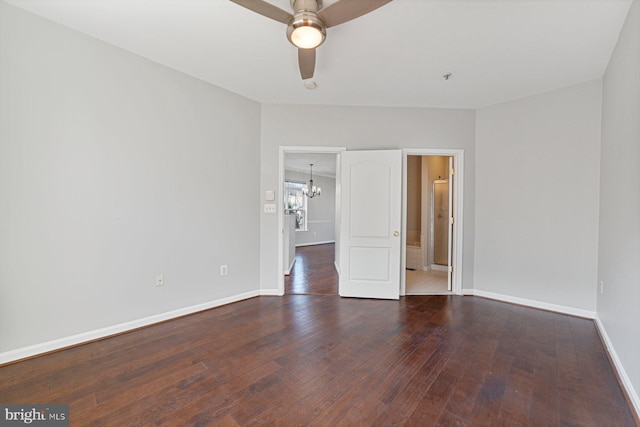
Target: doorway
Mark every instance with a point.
(308, 224)
(432, 222)
(457, 158)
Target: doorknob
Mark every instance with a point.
(395, 233)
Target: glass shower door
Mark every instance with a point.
(441, 222)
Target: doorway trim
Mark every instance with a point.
(282, 150)
(458, 210)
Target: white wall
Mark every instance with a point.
(537, 172)
(289, 242)
(414, 199)
(321, 210)
(619, 243)
(361, 128)
(113, 169)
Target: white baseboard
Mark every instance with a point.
(288, 272)
(34, 350)
(532, 303)
(438, 267)
(624, 378)
(270, 293)
(314, 243)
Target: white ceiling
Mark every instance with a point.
(497, 50)
(323, 164)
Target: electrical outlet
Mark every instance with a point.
(160, 279)
(224, 270)
(602, 286)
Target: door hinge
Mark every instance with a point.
(453, 171)
(451, 220)
(450, 269)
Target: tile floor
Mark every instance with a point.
(426, 282)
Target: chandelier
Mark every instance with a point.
(311, 190)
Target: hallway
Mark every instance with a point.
(313, 272)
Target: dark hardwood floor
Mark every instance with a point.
(313, 272)
(321, 360)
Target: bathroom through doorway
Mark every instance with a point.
(429, 221)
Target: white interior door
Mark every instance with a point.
(370, 224)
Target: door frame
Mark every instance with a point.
(458, 210)
(282, 150)
(458, 207)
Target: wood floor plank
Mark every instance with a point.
(516, 405)
(447, 419)
(433, 402)
(491, 396)
(462, 400)
(415, 399)
(317, 359)
(313, 272)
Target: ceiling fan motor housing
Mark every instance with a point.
(306, 5)
(305, 18)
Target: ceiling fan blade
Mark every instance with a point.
(307, 62)
(346, 10)
(266, 9)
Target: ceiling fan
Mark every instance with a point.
(306, 26)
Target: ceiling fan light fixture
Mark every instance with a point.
(306, 31)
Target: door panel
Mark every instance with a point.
(370, 224)
(372, 184)
(369, 264)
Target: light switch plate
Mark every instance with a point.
(269, 208)
(270, 195)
